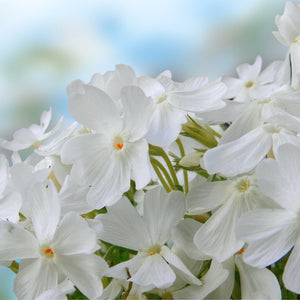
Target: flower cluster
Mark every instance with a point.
(161, 189)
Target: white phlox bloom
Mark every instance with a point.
(229, 200)
(116, 150)
(271, 233)
(10, 198)
(255, 283)
(252, 82)
(56, 249)
(154, 262)
(171, 101)
(243, 154)
(33, 135)
(288, 34)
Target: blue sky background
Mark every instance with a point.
(47, 44)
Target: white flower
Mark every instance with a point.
(252, 83)
(216, 237)
(270, 234)
(171, 101)
(116, 151)
(288, 34)
(55, 250)
(33, 135)
(123, 226)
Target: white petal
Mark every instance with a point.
(291, 272)
(85, 271)
(279, 179)
(39, 276)
(216, 237)
(59, 293)
(154, 271)
(249, 72)
(151, 86)
(257, 283)
(206, 196)
(211, 280)
(247, 121)
(10, 207)
(162, 212)
(123, 226)
(165, 124)
(181, 269)
(239, 156)
(224, 291)
(270, 234)
(137, 112)
(74, 236)
(16, 242)
(119, 271)
(183, 237)
(45, 211)
(138, 158)
(203, 99)
(92, 107)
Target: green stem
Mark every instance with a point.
(185, 173)
(158, 151)
(162, 168)
(161, 178)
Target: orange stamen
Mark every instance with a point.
(241, 251)
(48, 251)
(120, 146)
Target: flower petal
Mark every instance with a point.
(16, 242)
(85, 271)
(92, 107)
(239, 156)
(39, 276)
(123, 226)
(74, 236)
(162, 212)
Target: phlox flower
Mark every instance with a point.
(54, 250)
(33, 135)
(154, 262)
(228, 200)
(115, 151)
(172, 100)
(271, 233)
(288, 34)
(252, 82)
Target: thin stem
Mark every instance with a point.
(162, 168)
(158, 151)
(161, 178)
(185, 173)
(126, 293)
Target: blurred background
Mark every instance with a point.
(47, 44)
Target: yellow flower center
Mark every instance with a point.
(154, 250)
(249, 84)
(243, 185)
